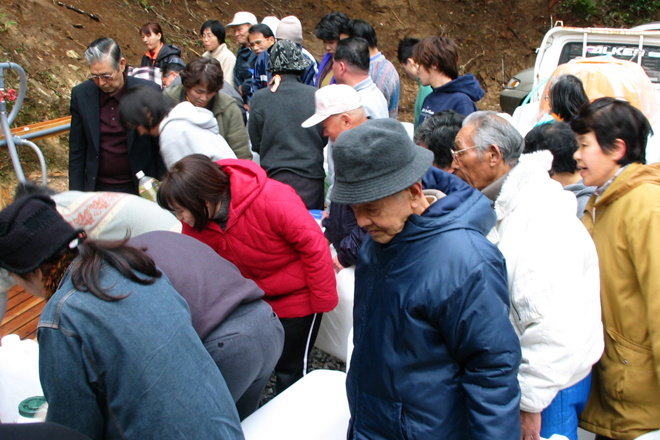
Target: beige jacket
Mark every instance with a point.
(625, 224)
(227, 61)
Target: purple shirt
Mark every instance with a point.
(114, 165)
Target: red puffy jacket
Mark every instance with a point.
(273, 240)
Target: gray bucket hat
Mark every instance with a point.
(286, 56)
(375, 160)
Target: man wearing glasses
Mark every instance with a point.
(102, 155)
(552, 269)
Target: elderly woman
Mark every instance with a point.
(201, 81)
(118, 356)
(182, 129)
(159, 53)
(261, 226)
(623, 217)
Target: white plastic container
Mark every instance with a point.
(19, 375)
(336, 325)
(32, 410)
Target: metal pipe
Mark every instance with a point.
(21, 92)
(33, 134)
(6, 122)
(40, 155)
(10, 145)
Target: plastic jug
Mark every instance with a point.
(19, 375)
(32, 410)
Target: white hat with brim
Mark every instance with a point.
(243, 18)
(333, 100)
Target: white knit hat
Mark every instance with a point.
(290, 28)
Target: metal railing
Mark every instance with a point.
(11, 140)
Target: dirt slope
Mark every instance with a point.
(48, 41)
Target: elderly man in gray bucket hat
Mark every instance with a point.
(435, 353)
(288, 152)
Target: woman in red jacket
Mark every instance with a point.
(263, 227)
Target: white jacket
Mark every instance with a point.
(554, 281)
(191, 130)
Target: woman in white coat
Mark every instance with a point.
(183, 129)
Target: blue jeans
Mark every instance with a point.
(561, 416)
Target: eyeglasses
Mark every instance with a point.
(207, 36)
(256, 43)
(456, 154)
(106, 77)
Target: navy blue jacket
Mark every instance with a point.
(342, 231)
(263, 75)
(459, 95)
(435, 354)
(243, 71)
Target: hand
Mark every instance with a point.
(324, 214)
(275, 83)
(337, 264)
(531, 425)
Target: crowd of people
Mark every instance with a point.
(506, 287)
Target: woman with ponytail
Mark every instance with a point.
(119, 358)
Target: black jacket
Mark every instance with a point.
(85, 139)
(168, 54)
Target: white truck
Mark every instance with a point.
(562, 44)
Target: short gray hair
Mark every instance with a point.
(101, 50)
(491, 129)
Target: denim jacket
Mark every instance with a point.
(132, 368)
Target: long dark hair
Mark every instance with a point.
(127, 260)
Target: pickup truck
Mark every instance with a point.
(562, 44)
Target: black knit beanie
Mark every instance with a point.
(32, 232)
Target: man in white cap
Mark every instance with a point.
(431, 298)
(244, 56)
(339, 108)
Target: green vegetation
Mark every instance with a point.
(614, 12)
(5, 23)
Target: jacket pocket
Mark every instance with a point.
(627, 371)
(380, 419)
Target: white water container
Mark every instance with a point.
(337, 324)
(32, 410)
(19, 375)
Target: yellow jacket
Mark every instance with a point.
(625, 224)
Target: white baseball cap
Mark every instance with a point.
(333, 100)
(243, 18)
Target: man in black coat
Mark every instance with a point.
(102, 155)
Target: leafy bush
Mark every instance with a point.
(614, 12)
